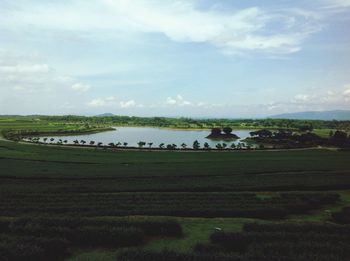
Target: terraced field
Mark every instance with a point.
(79, 204)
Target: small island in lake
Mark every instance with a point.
(225, 134)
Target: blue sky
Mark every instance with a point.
(196, 58)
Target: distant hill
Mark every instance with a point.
(105, 114)
(339, 115)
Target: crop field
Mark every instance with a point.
(73, 203)
(213, 204)
(281, 241)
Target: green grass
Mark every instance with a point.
(324, 214)
(324, 133)
(30, 173)
(197, 230)
(93, 255)
(17, 126)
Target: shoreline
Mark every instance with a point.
(32, 133)
(154, 149)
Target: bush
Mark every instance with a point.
(342, 217)
(42, 238)
(284, 241)
(27, 248)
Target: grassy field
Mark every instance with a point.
(200, 191)
(95, 203)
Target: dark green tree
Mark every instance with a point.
(196, 145)
(227, 130)
(141, 144)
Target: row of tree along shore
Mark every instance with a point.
(196, 145)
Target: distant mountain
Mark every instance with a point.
(107, 114)
(339, 115)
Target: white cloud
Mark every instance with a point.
(301, 98)
(28, 74)
(170, 101)
(110, 98)
(337, 3)
(112, 102)
(320, 100)
(178, 101)
(347, 92)
(235, 31)
(99, 102)
(80, 87)
(128, 104)
(24, 68)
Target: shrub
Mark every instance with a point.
(342, 217)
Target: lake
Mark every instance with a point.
(132, 135)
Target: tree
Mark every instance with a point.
(44, 139)
(92, 143)
(218, 146)
(150, 144)
(75, 142)
(310, 138)
(233, 146)
(215, 131)
(339, 138)
(118, 144)
(141, 144)
(65, 141)
(83, 142)
(161, 146)
(196, 145)
(99, 144)
(340, 135)
(261, 133)
(224, 145)
(111, 144)
(304, 128)
(52, 139)
(227, 130)
(184, 145)
(125, 144)
(206, 145)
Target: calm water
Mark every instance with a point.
(132, 135)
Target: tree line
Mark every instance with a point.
(196, 123)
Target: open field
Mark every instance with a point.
(75, 124)
(104, 186)
(75, 203)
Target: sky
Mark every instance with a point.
(181, 58)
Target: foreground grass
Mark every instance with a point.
(197, 230)
(324, 214)
(50, 172)
(94, 255)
